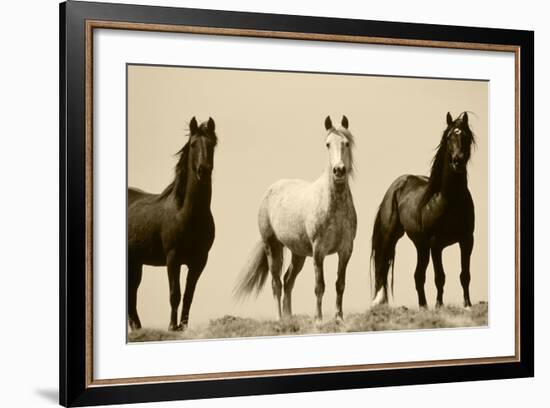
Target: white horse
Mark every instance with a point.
(310, 219)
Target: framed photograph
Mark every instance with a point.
(256, 203)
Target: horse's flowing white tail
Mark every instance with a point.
(254, 273)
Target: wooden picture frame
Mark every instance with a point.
(78, 20)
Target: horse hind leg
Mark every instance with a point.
(135, 272)
(296, 265)
(384, 257)
(274, 252)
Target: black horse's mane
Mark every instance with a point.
(441, 158)
(180, 175)
(180, 179)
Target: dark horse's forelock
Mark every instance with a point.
(204, 131)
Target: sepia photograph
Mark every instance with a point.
(257, 203)
(275, 203)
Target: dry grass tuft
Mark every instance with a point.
(376, 319)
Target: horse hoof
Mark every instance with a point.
(135, 325)
(422, 308)
(176, 327)
(380, 299)
(439, 305)
(339, 318)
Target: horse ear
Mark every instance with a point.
(449, 119)
(328, 123)
(211, 125)
(345, 122)
(465, 118)
(193, 126)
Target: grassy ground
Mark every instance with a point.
(376, 319)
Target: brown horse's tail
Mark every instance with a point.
(254, 273)
(384, 240)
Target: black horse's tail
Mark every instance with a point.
(383, 250)
(254, 273)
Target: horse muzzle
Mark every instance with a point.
(339, 173)
(458, 166)
(339, 179)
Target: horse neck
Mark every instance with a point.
(192, 195)
(453, 184)
(333, 194)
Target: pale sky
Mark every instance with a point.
(270, 126)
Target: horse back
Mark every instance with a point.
(135, 194)
(448, 218)
(145, 217)
(403, 195)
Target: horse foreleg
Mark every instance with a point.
(466, 246)
(292, 272)
(319, 284)
(134, 279)
(343, 258)
(193, 276)
(423, 257)
(439, 274)
(274, 251)
(174, 269)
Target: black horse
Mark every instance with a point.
(175, 227)
(435, 212)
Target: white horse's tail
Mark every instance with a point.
(254, 273)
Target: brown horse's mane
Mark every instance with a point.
(179, 184)
(440, 159)
(180, 174)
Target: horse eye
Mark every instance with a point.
(346, 144)
(328, 144)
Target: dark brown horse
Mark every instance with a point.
(435, 212)
(175, 227)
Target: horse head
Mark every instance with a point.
(339, 143)
(457, 140)
(202, 141)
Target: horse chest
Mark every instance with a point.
(448, 221)
(191, 236)
(334, 229)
